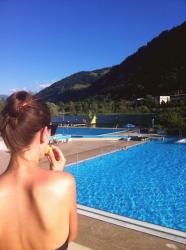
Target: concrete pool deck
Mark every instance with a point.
(95, 234)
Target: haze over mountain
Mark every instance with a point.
(158, 68)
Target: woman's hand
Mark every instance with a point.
(56, 159)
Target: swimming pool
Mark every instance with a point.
(87, 131)
(146, 182)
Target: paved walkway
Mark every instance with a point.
(99, 235)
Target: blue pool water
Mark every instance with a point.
(146, 182)
(86, 131)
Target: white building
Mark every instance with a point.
(163, 98)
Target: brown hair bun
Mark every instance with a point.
(22, 117)
(17, 102)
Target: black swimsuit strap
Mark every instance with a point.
(64, 246)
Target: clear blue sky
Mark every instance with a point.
(42, 41)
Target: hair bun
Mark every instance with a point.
(22, 117)
(17, 102)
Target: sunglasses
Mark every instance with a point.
(53, 128)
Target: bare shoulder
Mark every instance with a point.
(61, 177)
(56, 181)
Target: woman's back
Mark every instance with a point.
(37, 206)
(35, 209)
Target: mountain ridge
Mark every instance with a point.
(64, 87)
(161, 56)
(157, 68)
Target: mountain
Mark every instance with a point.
(67, 88)
(158, 68)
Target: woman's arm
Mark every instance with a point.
(57, 162)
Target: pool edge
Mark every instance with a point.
(103, 154)
(145, 227)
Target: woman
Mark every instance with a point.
(37, 206)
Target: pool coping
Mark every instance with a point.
(110, 152)
(126, 222)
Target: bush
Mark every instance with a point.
(171, 120)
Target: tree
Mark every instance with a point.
(79, 108)
(94, 107)
(143, 109)
(61, 106)
(150, 101)
(2, 104)
(53, 108)
(171, 120)
(123, 106)
(71, 107)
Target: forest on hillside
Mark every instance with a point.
(171, 116)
